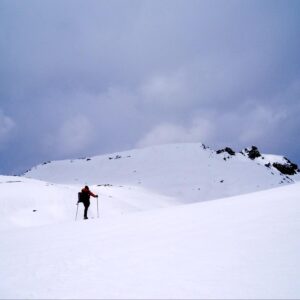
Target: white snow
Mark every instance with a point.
(273, 158)
(155, 239)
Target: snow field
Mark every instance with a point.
(28, 202)
(241, 247)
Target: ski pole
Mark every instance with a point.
(76, 212)
(97, 208)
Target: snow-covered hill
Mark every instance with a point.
(187, 172)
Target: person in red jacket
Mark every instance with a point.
(85, 199)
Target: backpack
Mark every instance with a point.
(80, 197)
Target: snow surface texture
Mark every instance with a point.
(154, 239)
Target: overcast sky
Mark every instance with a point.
(81, 78)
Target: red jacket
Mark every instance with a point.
(84, 190)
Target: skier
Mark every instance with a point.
(85, 199)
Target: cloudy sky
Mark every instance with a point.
(81, 78)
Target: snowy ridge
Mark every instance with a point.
(188, 172)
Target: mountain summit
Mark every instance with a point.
(187, 172)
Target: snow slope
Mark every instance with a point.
(241, 247)
(28, 202)
(187, 172)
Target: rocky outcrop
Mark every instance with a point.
(283, 165)
(252, 153)
(287, 168)
(227, 149)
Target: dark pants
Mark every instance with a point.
(86, 207)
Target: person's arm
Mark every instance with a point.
(93, 195)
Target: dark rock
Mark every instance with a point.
(227, 149)
(287, 169)
(253, 152)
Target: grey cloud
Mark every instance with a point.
(117, 74)
(7, 125)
